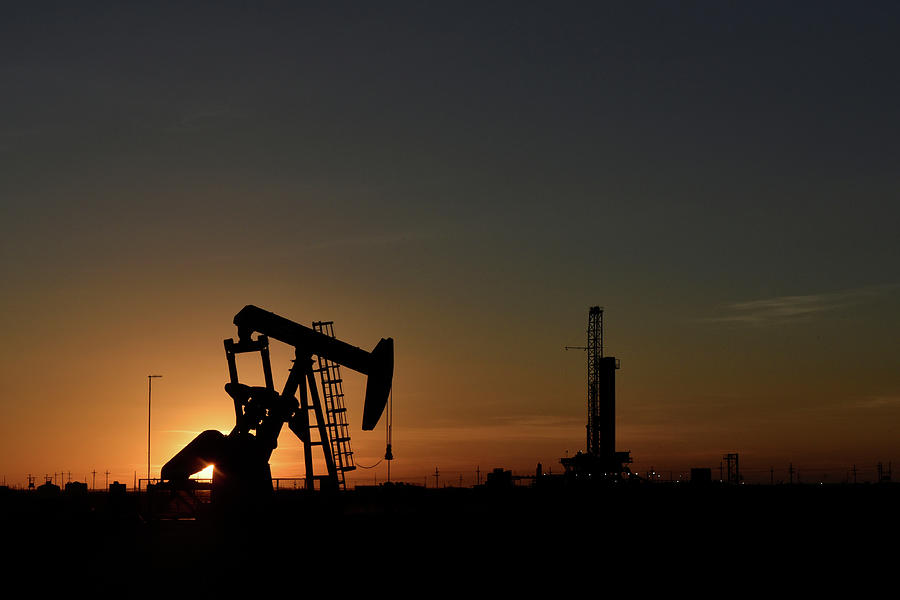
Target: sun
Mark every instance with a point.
(206, 473)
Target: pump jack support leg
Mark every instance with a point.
(267, 367)
(233, 376)
(295, 378)
(307, 446)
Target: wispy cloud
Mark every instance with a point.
(879, 402)
(792, 308)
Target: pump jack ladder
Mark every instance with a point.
(335, 411)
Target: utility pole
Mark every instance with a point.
(94, 479)
(150, 379)
(478, 474)
(437, 478)
(388, 451)
(107, 480)
(791, 471)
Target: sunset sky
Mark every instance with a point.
(467, 178)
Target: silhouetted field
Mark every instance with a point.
(670, 531)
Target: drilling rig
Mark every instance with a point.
(600, 459)
(241, 473)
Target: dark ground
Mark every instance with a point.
(646, 536)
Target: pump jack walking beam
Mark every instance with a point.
(378, 364)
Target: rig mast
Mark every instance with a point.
(594, 354)
(600, 457)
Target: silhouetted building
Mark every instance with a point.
(48, 489)
(76, 488)
(499, 478)
(701, 475)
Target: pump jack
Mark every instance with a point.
(241, 458)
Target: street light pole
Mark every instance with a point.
(149, 392)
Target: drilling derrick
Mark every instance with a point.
(600, 457)
(594, 356)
